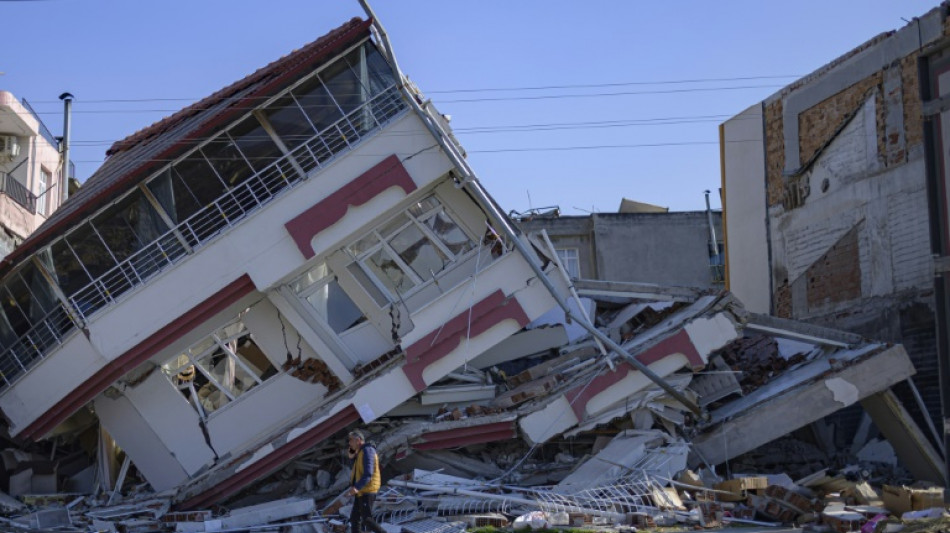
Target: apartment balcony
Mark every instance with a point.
(17, 192)
(199, 230)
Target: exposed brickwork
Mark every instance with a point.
(783, 301)
(774, 153)
(836, 276)
(818, 124)
(913, 119)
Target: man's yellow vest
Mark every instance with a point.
(375, 480)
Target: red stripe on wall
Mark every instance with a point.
(273, 461)
(436, 345)
(680, 343)
(83, 394)
(385, 174)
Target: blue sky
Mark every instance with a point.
(625, 117)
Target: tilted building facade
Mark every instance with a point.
(288, 256)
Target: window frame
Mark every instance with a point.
(362, 257)
(42, 199)
(563, 255)
(201, 348)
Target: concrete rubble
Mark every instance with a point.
(206, 383)
(538, 434)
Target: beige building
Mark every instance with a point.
(31, 177)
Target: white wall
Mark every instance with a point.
(745, 217)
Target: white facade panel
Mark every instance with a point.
(744, 189)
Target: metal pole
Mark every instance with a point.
(470, 182)
(713, 244)
(67, 112)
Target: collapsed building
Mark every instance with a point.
(307, 250)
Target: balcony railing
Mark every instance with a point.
(17, 192)
(202, 227)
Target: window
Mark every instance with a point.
(570, 260)
(220, 368)
(46, 177)
(324, 295)
(412, 247)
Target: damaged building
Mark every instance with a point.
(306, 251)
(834, 167)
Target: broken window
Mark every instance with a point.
(219, 368)
(411, 248)
(319, 288)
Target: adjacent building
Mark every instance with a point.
(640, 245)
(31, 172)
(826, 198)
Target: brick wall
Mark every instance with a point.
(913, 119)
(836, 276)
(818, 125)
(774, 153)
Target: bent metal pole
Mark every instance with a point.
(470, 182)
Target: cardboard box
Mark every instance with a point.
(900, 499)
(739, 487)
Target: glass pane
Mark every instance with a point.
(344, 84)
(69, 274)
(256, 145)
(419, 252)
(16, 322)
(389, 272)
(227, 160)
(312, 276)
(289, 122)
(201, 346)
(449, 233)
(91, 251)
(335, 306)
(422, 207)
(129, 225)
(380, 73)
(364, 244)
(33, 292)
(317, 104)
(201, 182)
(173, 195)
(219, 366)
(393, 225)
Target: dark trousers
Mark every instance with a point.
(362, 514)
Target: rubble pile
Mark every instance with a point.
(547, 429)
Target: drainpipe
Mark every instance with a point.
(471, 183)
(713, 245)
(67, 112)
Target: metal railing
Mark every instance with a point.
(202, 227)
(17, 192)
(34, 344)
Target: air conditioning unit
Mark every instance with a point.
(9, 147)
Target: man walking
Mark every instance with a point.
(364, 483)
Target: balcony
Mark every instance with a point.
(17, 192)
(200, 229)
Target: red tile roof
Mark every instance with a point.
(134, 158)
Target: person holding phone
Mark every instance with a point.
(365, 481)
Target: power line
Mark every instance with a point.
(476, 130)
(440, 102)
(474, 90)
(503, 150)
